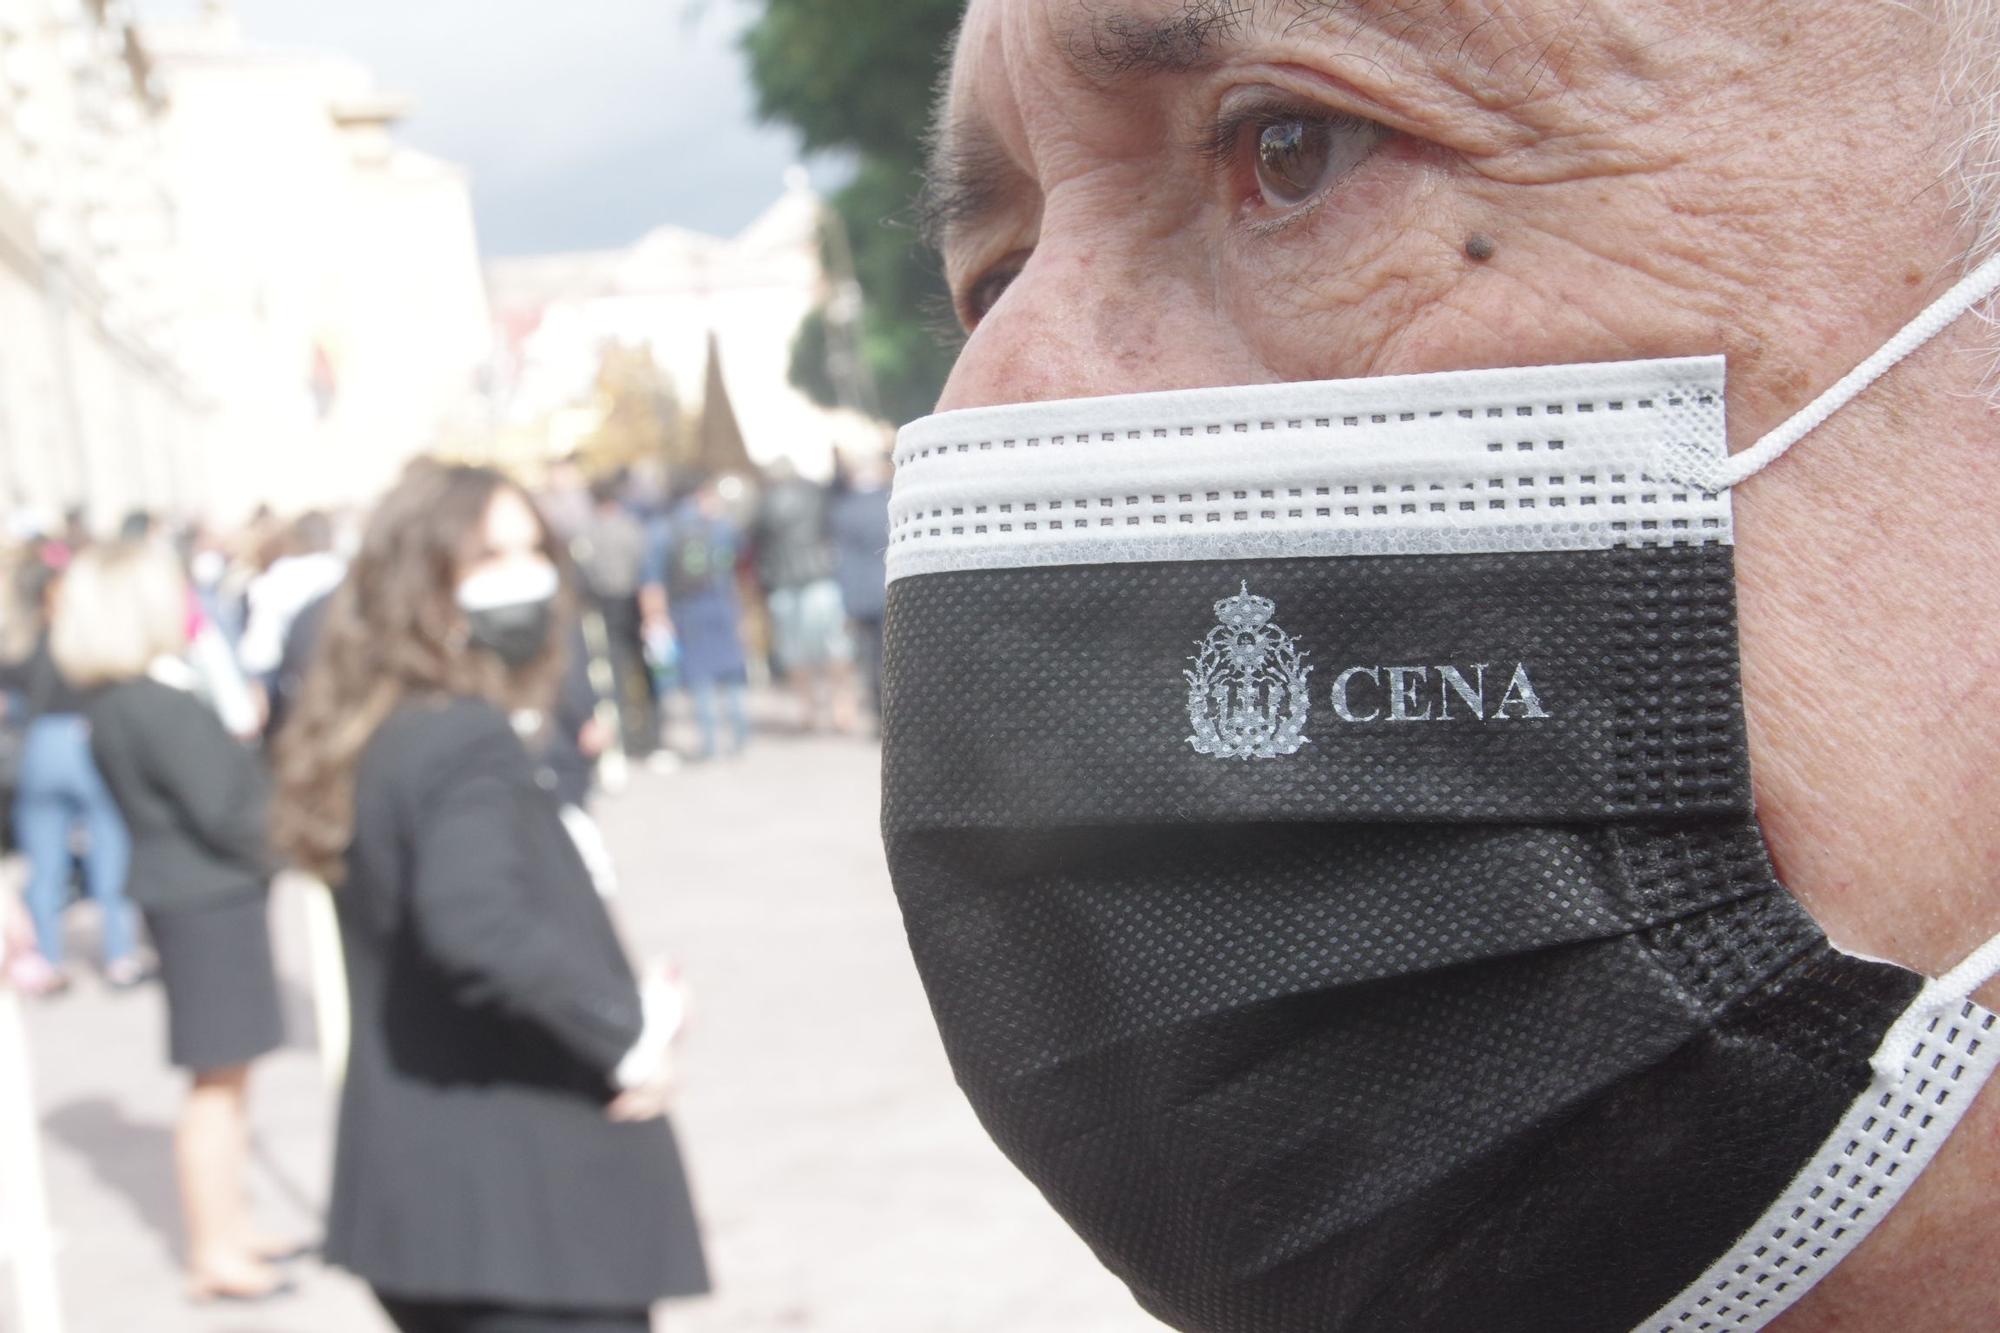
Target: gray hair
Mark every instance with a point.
(1969, 105)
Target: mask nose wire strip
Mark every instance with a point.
(1954, 987)
(1969, 291)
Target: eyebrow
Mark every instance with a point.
(964, 178)
(965, 175)
(1118, 45)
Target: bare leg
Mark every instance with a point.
(846, 702)
(799, 682)
(210, 1152)
(811, 689)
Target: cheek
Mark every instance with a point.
(485, 565)
(1111, 302)
(526, 566)
(1064, 331)
(1385, 280)
(1330, 294)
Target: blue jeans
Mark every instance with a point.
(60, 791)
(703, 694)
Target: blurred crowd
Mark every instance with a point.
(188, 709)
(720, 582)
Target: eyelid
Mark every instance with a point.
(1219, 147)
(1249, 108)
(1008, 265)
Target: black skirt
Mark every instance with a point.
(457, 1317)
(222, 987)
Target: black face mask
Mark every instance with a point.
(511, 613)
(516, 634)
(1331, 861)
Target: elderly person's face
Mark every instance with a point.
(1147, 194)
(1135, 194)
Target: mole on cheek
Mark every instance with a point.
(1479, 247)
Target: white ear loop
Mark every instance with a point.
(1931, 1064)
(1956, 986)
(1949, 991)
(1975, 287)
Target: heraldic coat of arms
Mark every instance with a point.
(1247, 693)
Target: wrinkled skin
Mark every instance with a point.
(1651, 178)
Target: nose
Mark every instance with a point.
(1084, 321)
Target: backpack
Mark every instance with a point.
(700, 559)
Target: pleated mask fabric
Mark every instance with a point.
(1321, 816)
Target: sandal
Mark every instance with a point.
(213, 1289)
(283, 1251)
(127, 974)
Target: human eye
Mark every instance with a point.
(1280, 159)
(985, 291)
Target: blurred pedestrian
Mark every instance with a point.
(218, 680)
(858, 524)
(579, 736)
(610, 554)
(568, 757)
(75, 534)
(808, 625)
(503, 1159)
(301, 642)
(195, 801)
(60, 795)
(690, 595)
(210, 572)
(306, 571)
(565, 499)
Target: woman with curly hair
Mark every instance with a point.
(503, 1158)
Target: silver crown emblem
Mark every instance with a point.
(1247, 693)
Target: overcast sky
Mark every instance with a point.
(584, 123)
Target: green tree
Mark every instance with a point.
(857, 77)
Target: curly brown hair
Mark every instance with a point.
(394, 633)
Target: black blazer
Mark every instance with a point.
(192, 796)
(491, 1000)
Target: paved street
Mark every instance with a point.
(844, 1184)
